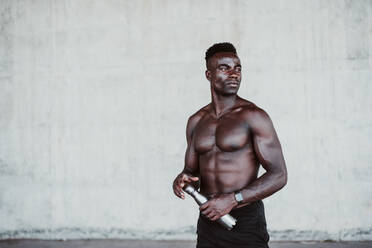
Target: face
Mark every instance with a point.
(224, 73)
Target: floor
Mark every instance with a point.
(115, 243)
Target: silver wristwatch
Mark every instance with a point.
(238, 197)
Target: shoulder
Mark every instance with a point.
(254, 115)
(196, 117)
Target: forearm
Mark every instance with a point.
(264, 186)
(190, 172)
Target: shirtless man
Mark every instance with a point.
(227, 141)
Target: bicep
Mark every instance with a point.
(191, 160)
(191, 156)
(266, 143)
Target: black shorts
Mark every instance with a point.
(249, 231)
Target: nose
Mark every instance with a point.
(234, 74)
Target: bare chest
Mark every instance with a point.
(227, 134)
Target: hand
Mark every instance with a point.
(181, 180)
(218, 206)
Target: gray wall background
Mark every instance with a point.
(95, 95)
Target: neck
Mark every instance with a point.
(221, 104)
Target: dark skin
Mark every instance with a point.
(227, 141)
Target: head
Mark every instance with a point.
(223, 68)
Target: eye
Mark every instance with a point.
(239, 69)
(223, 68)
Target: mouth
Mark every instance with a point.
(233, 83)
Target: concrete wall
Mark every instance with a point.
(94, 98)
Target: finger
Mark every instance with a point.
(185, 177)
(210, 215)
(182, 196)
(178, 192)
(204, 206)
(215, 217)
(207, 211)
(189, 180)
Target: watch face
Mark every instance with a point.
(239, 197)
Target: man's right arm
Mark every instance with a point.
(190, 172)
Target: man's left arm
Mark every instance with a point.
(269, 154)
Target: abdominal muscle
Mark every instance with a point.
(226, 172)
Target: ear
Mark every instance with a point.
(208, 75)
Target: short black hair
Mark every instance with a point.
(219, 48)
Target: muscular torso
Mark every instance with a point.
(226, 156)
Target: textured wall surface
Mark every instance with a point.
(95, 95)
